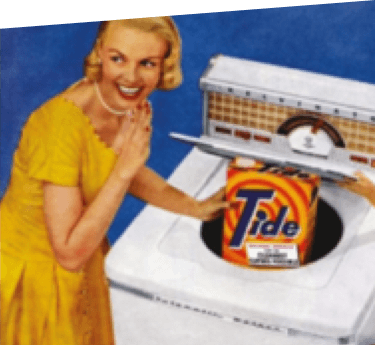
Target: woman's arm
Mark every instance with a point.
(152, 188)
(75, 233)
(363, 186)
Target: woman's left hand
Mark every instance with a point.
(363, 186)
(212, 207)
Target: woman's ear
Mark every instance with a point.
(99, 54)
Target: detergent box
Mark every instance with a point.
(272, 217)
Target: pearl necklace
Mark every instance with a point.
(107, 107)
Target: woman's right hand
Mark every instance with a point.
(75, 233)
(132, 142)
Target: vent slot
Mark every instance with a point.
(359, 159)
(262, 138)
(223, 130)
(242, 134)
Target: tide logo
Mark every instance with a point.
(254, 221)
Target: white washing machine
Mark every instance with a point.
(169, 284)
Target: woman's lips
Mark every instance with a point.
(129, 93)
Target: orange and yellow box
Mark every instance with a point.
(272, 207)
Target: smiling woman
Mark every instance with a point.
(80, 153)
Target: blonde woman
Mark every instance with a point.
(80, 153)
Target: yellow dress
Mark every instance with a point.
(42, 303)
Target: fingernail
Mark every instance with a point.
(235, 204)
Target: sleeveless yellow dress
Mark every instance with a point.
(42, 303)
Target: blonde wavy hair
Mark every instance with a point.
(171, 75)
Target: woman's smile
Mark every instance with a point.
(129, 93)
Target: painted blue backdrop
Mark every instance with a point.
(38, 62)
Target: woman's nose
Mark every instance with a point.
(130, 73)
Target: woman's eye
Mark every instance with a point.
(148, 63)
(117, 59)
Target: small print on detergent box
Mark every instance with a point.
(272, 217)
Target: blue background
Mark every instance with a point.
(39, 62)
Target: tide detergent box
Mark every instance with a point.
(272, 216)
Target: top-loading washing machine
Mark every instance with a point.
(169, 284)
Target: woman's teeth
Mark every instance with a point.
(129, 90)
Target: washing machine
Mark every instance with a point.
(168, 281)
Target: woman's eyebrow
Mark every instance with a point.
(114, 50)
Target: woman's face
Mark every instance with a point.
(132, 62)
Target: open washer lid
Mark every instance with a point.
(162, 257)
(279, 154)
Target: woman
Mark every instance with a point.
(80, 153)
